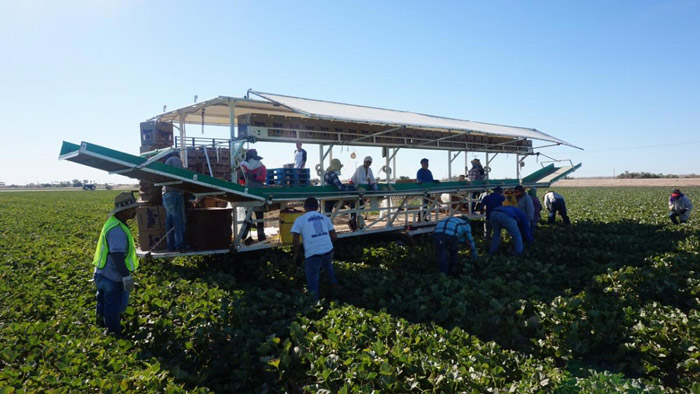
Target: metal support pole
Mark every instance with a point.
(487, 164)
(183, 150)
(394, 164)
(449, 165)
(517, 165)
(466, 163)
(320, 161)
(232, 136)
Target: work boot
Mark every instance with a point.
(100, 320)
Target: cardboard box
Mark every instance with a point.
(150, 218)
(156, 133)
(149, 240)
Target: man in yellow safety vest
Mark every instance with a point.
(115, 260)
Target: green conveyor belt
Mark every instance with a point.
(138, 167)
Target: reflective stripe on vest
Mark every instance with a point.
(102, 250)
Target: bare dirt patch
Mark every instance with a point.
(611, 182)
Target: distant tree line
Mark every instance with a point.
(647, 175)
(73, 183)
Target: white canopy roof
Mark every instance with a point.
(356, 113)
(216, 111)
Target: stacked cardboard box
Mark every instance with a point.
(151, 224)
(219, 159)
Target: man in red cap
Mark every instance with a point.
(680, 206)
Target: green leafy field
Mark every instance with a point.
(609, 304)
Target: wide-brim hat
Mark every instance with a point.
(124, 201)
(336, 165)
(252, 154)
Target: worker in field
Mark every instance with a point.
(115, 260)
(554, 202)
(525, 203)
(331, 177)
(252, 173)
(299, 157)
(363, 178)
(538, 208)
(447, 236)
(516, 224)
(318, 235)
(488, 204)
(680, 206)
(174, 204)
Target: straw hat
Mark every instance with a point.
(336, 165)
(124, 201)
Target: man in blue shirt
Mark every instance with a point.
(424, 175)
(493, 200)
(448, 234)
(517, 225)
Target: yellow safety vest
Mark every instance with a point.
(102, 250)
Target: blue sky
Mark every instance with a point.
(619, 79)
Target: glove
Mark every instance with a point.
(128, 283)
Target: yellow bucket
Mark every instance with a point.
(287, 218)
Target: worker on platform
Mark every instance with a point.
(174, 204)
(493, 200)
(447, 236)
(680, 206)
(516, 224)
(554, 202)
(364, 178)
(331, 177)
(423, 176)
(532, 192)
(477, 172)
(299, 157)
(525, 203)
(318, 235)
(252, 173)
(115, 260)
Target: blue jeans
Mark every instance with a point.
(446, 248)
(174, 204)
(501, 220)
(558, 206)
(312, 269)
(675, 216)
(112, 300)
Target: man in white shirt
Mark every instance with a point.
(554, 203)
(299, 157)
(364, 177)
(318, 235)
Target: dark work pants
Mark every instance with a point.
(446, 248)
(558, 206)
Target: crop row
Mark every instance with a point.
(610, 303)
